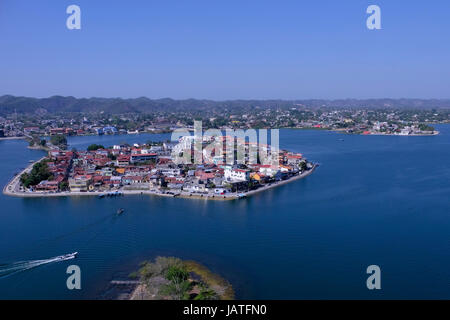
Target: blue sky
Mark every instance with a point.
(225, 49)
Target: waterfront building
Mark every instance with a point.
(110, 130)
(123, 160)
(47, 186)
(233, 174)
(269, 170)
(80, 183)
(142, 157)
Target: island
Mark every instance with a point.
(152, 168)
(170, 278)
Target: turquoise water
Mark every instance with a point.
(374, 200)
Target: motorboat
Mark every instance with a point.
(67, 256)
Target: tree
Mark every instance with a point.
(94, 147)
(302, 166)
(425, 127)
(179, 284)
(63, 186)
(177, 274)
(206, 294)
(59, 140)
(39, 173)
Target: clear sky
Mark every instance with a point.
(226, 49)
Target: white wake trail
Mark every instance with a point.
(21, 266)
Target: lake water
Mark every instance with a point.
(374, 200)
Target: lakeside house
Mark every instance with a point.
(47, 186)
(235, 174)
(80, 183)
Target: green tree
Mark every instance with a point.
(177, 274)
(59, 140)
(111, 156)
(179, 284)
(39, 173)
(425, 127)
(302, 166)
(63, 186)
(94, 147)
(206, 294)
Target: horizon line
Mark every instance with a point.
(219, 100)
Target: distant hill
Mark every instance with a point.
(58, 104)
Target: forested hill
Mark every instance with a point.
(58, 104)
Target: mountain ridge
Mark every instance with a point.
(69, 104)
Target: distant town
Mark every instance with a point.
(31, 118)
(395, 122)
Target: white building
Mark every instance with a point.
(269, 170)
(231, 174)
(405, 131)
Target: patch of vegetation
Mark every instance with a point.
(223, 287)
(59, 140)
(425, 127)
(37, 141)
(64, 186)
(303, 166)
(94, 147)
(39, 173)
(179, 285)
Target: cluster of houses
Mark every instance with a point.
(70, 131)
(152, 167)
(59, 164)
(392, 128)
(52, 131)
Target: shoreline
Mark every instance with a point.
(343, 131)
(11, 189)
(435, 133)
(12, 138)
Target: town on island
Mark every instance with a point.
(155, 168)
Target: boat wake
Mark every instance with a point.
(10, 269)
